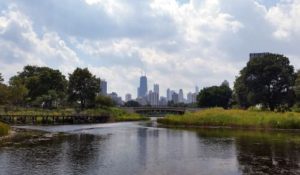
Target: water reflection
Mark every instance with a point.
(262, 152)
(133, 149)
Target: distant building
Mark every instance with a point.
(143, 88)
(256, 55)
(163, 101)
(175, 98)
(116, 99)
(142, 101)
(225, 83)
(180, 96)
(156, 88)
(191, 98)
(153, 98)
(197, 90)
(128, 97)
(103, 87)
(169, 95)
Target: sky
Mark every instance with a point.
(177, 43)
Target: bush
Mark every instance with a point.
(104, 101)
(4, 129)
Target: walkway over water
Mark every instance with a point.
(161, 110)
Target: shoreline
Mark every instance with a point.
(22, 136)
(161, 125)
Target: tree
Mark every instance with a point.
(83, 87)
(1, 78)
(40, 81)
(266, 80)
(17, 91)
(215, 96)
(132, 103)
(104, 101)
(297, 87)
(4, 91)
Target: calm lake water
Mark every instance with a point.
(143, 149)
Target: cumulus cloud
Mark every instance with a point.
(179, 44)
(21, 45)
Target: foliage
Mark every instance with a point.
(266, 80)
(104, 101)
(132, 103)
(83, 87)
(1, 78)
(4, 129)
(217, 117)
(41, 82)
(297, 87)
(215, 96)
(4, 94)
(18, 91)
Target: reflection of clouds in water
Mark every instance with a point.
(132, 149)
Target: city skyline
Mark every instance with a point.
(179, 44)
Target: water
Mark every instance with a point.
(143, 149)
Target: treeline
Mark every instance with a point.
(49, 88)
(269, 82)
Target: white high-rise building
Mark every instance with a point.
(153, 98)
(180, 96)
(169, 95)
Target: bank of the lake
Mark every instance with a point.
(234, 118)
(103, 115)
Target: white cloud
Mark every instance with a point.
(21, 45)
(285, 18)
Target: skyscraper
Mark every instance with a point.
(142, 90)
(180, 96)
(103, 87)
(153, 98)
(156, 88)
(197, 90)
(169, 95)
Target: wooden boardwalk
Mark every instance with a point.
(53, 119)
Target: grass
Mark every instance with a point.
(115, 114)
(4, 129)
(217, 117)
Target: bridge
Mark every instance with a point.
(159, 111)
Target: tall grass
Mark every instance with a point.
(4, 129)
(217, 117)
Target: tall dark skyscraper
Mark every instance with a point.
(143, 89)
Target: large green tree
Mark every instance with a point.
(41, 82)
(266, 80)
(215, 96)
(83, 87)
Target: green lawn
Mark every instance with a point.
(217, 117)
